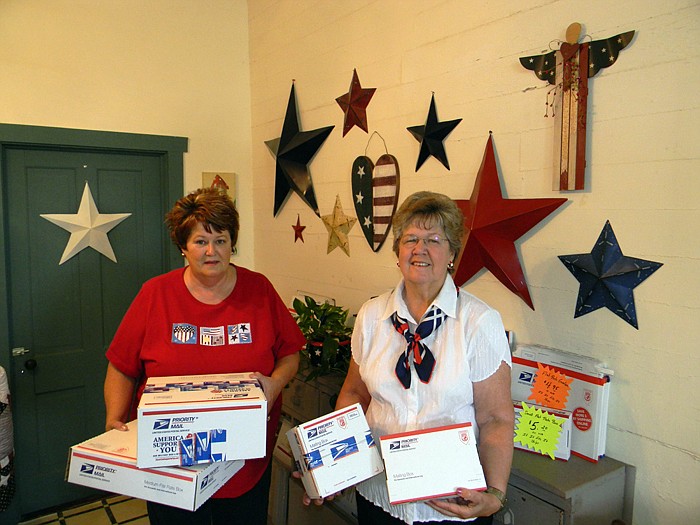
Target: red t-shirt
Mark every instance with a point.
(167, 332)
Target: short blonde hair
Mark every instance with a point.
(427, 209)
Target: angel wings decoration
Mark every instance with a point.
(568, 70)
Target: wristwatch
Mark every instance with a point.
(500, 495)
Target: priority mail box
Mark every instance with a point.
(588, 396)
(431, 463)
(334, 451)
(108, 462)
(189, 420)
(563, 448)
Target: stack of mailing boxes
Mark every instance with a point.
(193, 433)
(588, 396)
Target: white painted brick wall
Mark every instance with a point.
(643, 175)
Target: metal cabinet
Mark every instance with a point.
(303, 401)
(541, 491)
(575, 492)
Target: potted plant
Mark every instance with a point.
(327, 335)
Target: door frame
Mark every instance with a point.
(169, 149)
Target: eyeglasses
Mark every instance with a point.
(431, 241)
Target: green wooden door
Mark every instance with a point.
(62, 317)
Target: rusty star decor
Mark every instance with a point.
(493, 224)
(293, 151)
(607, 278)
(338, 225)
(431, 136)
(354, 104)
(298, 230)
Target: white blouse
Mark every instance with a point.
(468, 347)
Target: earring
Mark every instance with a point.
(397, 263)
(182, 253)
(450, 266)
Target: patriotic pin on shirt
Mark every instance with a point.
(189, 334)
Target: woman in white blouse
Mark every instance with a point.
(457, 369)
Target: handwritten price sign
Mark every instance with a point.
(538, 430)
(551, 388)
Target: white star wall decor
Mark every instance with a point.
(88, 227)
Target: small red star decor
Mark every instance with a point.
(354, 104)
(219, 183)
(298, 229)
(493, 224)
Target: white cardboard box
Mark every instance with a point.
(108, 462)
(563, 450)
(188, 420)
(588, 395)
(335, 451)
(431, 463)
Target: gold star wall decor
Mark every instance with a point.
(338, 225)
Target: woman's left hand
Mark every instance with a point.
(467, 504)
(270, 386)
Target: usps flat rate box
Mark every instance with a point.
(431, 463)
(588, 396)
(189, 420)
(108, 462)
(563, 448)
(335, 451)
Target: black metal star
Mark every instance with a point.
(607, 277)
(293, 151)
(431, 136)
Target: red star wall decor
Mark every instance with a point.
(493, 224)
(298, 230)
(354, 104)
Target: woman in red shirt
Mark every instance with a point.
(167, 331)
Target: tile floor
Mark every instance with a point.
(106, 511)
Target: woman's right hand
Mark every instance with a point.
(116, 425)
(306, 499)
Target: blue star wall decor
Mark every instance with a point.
(293, 151)
(607, 277)
(431, 136)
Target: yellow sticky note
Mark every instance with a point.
(538, 430)
(551, 388)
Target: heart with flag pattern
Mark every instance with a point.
(375, 189)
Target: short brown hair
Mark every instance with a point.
(426, 209)
(210, 206)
